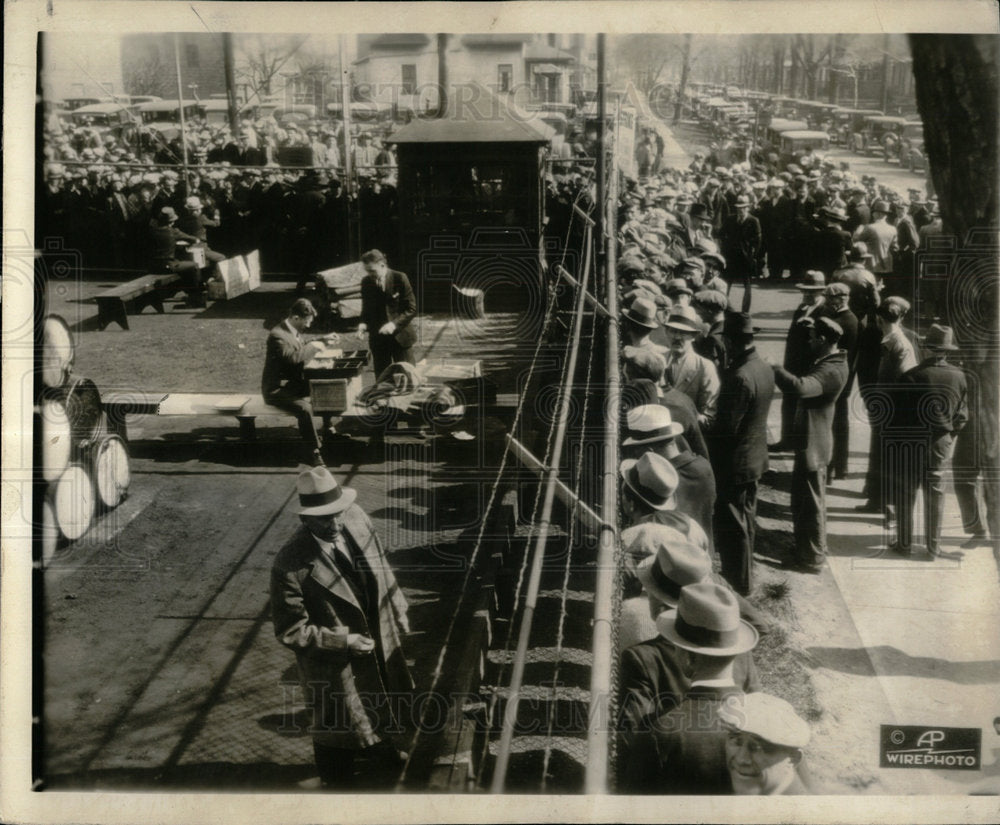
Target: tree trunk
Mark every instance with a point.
(956, 88)
(779, 68)
(685, 69)
(831, 88)
(885, 73)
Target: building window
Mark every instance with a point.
(409, 79)
(505, 77)
(191, 55)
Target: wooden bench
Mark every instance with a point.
(120, 405)
(147, 290)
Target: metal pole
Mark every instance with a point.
(602, 142)
(345, 100)
(531, 598)
(600, 722)
(180, 110)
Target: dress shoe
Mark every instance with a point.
(976, 540)
(799, 566)
(897, 549)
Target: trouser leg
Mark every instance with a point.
(335, 765)
(991, 498)
(937, 462)
(788, 402)
(842, 432)
(301, 408)
(809, 513)
(905, 495)
(735, 514)
(968, 487)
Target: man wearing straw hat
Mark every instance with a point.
(685, 752)
(933, 403)
(336, 604)
(652, 679)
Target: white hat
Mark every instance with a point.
(652, 478)
(320, 495)
(766, 716)
(650, 423)
(193, 202)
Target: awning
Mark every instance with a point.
(546, 68)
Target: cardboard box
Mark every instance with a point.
(330, 395)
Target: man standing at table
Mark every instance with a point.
(388, 308)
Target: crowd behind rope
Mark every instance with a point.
(695, 441)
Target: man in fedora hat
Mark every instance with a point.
(831, 242)
(640, 366)
(764, 742)
(837, 296)
(816, 394)
(639, 322)
(336, 604)
(880, 237)
(738, 448)
(933, 399)
(711, 306)
(798, 355)
(740, 237)
(388, 307)
(652, 678)
(650, 428)
(684, 752)
(692, 374)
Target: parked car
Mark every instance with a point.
(107, 118)
(849, 121)
(166, 111)
(793, 144)
(873, 131)
(779, 125)
(897, 145)
(916, 160)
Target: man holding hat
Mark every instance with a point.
(738, 447)
(336, 604)
(933, 399)
(692, 374)
(816, 394)
(652, 679)
(685, 751)
(650, 428)
(764, 742)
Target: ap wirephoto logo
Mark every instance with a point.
(916, 746)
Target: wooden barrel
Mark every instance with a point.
(82, 401)
(49, 531)
(73, 501)
(56, 438)
(58, 351)
(109, 468)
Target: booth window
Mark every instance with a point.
(409, 79)
(505, 76)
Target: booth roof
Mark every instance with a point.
(477, 115)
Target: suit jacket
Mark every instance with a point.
(797, 354)
(848, 322)
(935, 397)
(696, 377)
(695, 489)
(817, 392)
(283, 362)
(830, 250)
(684, 412)
(652, 681)
(311, 593)
(396, 303)
(685, 752)
(741, 244)
(739, 439)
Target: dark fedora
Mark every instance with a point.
(739, 323)
(814, 279)
(700, 210)
(940, 337)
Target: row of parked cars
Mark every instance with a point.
(790, 125)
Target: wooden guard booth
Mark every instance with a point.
(470, 201)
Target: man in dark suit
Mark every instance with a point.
(837, 297)
(741, 240)
(798, 357)
(738, 446)
(685, 751)
(283, 383)
(162, 251)
(858, 213)
(832, 243)
(388, 308)
(336, 604)
(934, 396)
(816, 393)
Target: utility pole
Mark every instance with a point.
(885, 72)
(229, 65)
(442, 55)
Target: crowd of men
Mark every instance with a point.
(695, 443)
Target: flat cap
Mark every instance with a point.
(766, 716)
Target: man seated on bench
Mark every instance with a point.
(195, 222)
(164, 237)
(283, 383)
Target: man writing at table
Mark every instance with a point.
(283, 383)
(388, 308)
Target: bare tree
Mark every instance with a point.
(808, 55)
(146, 73)
(262, 56)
